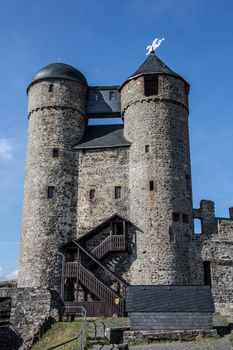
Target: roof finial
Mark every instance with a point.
(156, 43)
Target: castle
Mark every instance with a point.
(107, 206)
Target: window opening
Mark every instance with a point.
(147, 148)
(96, 96)
(197, 226)
(117, 192)
(55, 152)
(112, 95)
(185, 218)
(51, 86)
(176, 217)
(50, 192)
(152, 186)
(207, 273)
(151, 86)
(92, 194)
(118, 228)
(188, 182)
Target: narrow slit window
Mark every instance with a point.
(151, 86)
(51, 87)
(96, 96)
(50, 192)
(117, 192)
(147, 148)
(185, 218)
(112, 95)
(92, 194)
(151, 185)
(207, 273)
(188, 183)
(55, 152)
(176, 217)
(197, 226)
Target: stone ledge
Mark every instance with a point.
(149, 336)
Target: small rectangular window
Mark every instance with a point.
(151, 86)
(147, 148)
(118, 228)
(51, 86)
(151, 185)
(117, 192)
(92, 194)
(55, 152)
(176, 217)
(50, 192)
(96, 96)
(207, 273)
(185, 218)
(111, 95)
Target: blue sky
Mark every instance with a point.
(106, 40)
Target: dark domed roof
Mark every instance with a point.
(152, 65)
(59, 71)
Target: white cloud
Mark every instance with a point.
(5, 276)
(6, 149)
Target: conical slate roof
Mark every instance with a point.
(152, 65)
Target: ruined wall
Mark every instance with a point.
(214, 245)
(32, 310)
(161, 122)
(101, 170)
(56, 120)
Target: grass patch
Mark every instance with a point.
(63, 331)
(59, 332)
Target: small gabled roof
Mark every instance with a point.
(95, 230)
(169, 298)
(103, 136)
(152, 66)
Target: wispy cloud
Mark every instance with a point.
(6, 149)
(4, 276)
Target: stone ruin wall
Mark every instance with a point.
(215, 245)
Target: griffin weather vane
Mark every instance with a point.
(155, 44)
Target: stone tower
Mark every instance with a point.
(57, 98)
(154, 103)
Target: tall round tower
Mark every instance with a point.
(154, 104)
(57, 98)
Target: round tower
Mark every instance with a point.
(154, 104)
(57, 98)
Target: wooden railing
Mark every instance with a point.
(113, 243)
(100, 289)
(77, 270)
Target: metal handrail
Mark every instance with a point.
(80, 336)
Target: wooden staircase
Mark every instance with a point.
(81, 270)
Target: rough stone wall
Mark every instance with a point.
(56, 120)
(214, 245)
(161, 122)
(32, 310)
(101, 170)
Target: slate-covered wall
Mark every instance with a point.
(170, 321)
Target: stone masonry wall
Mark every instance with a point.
(56, 120)
(214, 245)
(101, 170)
(161, 122)
(32, 310)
